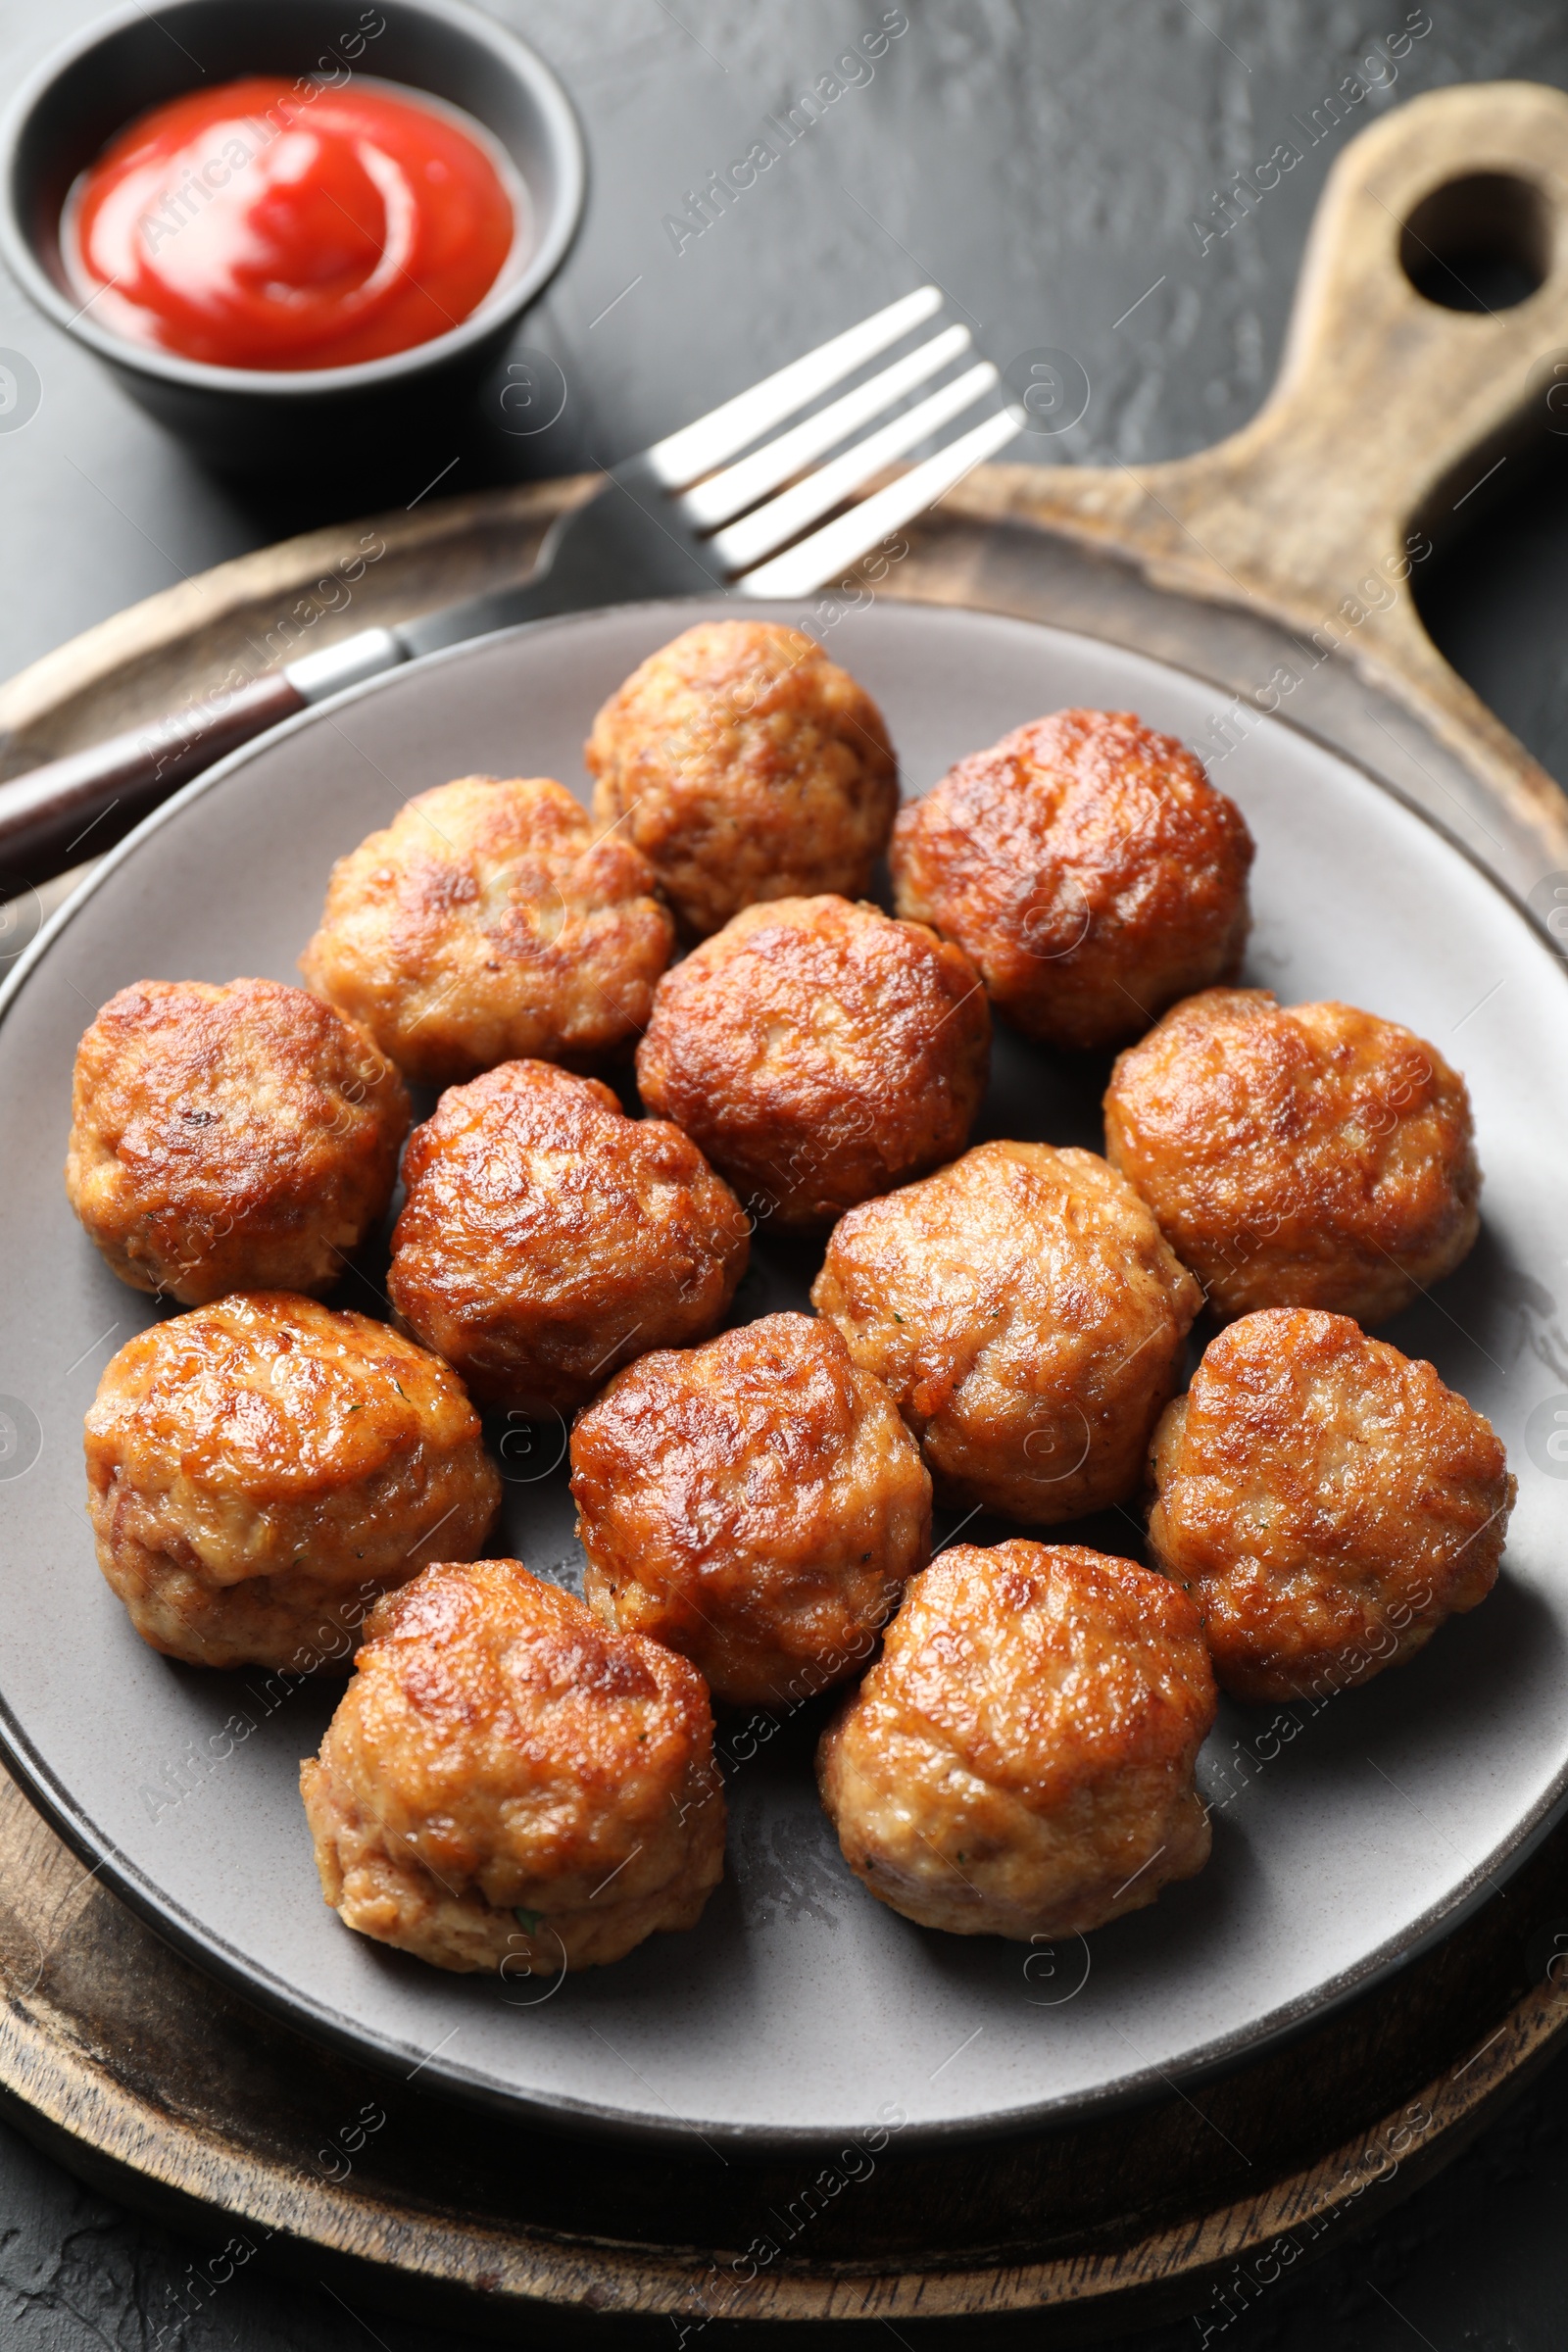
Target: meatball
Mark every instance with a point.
(491, 919)
(1088, 866)
(747, 765)
(1327, 1502)
(1028, 1320)
(756, 1504)
(240, 1138)
(547, 1237)
(1309, 1155)
(258, 1470)
(1019, 1761)
(820, 1052)
(507, 1784)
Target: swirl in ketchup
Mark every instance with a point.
(275, 224)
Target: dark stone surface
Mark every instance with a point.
(1046, 161)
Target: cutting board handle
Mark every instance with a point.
(1391, 413)
(1388, 413)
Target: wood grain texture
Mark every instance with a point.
(173, 2094)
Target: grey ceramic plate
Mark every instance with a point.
(1343, 1840)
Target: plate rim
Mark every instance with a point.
(316, 2019)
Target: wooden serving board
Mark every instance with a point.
(1265, 559)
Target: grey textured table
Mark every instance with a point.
(1047, 162)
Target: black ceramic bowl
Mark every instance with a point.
(306, 419)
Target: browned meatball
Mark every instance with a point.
(1304, 1155)
(747, 765)
(1019, 1761)
(1028, 1320)
(820, 1052)
(547, 1237)
(258, 1470)
(756, 1504)
(491, 919)
(505, 1785)
(1327, 1502)
(1088, 866)
(240, 1138)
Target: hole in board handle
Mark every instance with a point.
(1481, 243)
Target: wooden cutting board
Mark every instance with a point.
(1280, 565)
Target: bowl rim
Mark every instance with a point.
(558, 224)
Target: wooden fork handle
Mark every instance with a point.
(68, 811)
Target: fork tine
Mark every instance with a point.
(726, 431)
(832, 550)
(757, 535)
(742, 484)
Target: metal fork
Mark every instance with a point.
(689, 516)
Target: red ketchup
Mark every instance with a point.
(273, 224)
